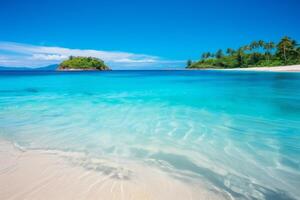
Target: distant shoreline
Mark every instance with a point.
(288, 68)
(74, 69)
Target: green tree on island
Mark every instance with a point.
(286, 49)
(268, 47)
(230, 51)
(256, 54)
(83, 63)
(189, 63)
(219, 54)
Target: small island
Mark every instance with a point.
(257, 54)
(79, 63)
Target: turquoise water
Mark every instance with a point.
(238, 131)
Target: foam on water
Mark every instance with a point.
(237, 132)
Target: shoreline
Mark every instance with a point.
(74, 69)
(53, 174)
(287, 68)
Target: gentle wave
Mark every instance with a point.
(235, 136)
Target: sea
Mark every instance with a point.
(238, 132)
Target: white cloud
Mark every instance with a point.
(18, 54)
(56, 57)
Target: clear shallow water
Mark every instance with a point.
(237, 131)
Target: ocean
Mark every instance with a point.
(236, 133)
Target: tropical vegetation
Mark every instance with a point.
(256, 54)
(83, 63)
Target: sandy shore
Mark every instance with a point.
(290, 68)
(37, 174)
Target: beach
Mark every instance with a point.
(46, 174)
(289, 68)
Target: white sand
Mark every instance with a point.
(36, 174)
(289, 68)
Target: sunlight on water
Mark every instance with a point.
(238, 132)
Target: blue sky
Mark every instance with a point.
(137, 33)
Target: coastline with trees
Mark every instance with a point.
(254, 55)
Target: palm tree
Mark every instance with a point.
(254, 45)
(219, 54)
(230, 51)
(284, 47)
(261, 43)
(247, 48)
(239, 57)
(208, 54)
(268, 47)
(298, 52)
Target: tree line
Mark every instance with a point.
(258, 53)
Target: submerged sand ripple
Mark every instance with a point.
(36, 174)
